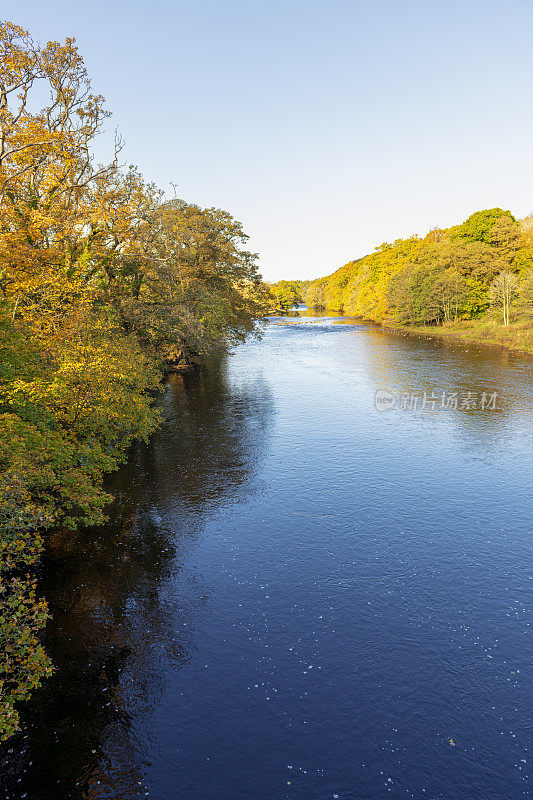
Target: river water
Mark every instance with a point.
(298, 595)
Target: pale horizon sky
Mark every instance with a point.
(325, 129)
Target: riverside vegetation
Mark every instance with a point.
(473, 280)
(104, 283)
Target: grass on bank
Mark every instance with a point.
(518, 335)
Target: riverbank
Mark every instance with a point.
(516, 336)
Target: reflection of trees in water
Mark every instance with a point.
(218, 432)
(125, 609)
(403, 363)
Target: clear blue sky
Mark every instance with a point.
(325, 127)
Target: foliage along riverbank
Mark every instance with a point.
(473, 281)
(104, 283)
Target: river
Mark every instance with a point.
(298, 595)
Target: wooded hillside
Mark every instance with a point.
(483, 265)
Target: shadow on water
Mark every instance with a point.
(124, 605)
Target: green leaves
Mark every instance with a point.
(284, 295)
(23, 661)
(483, 226)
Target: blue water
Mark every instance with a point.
(298, 595)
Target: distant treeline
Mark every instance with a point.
(104, 283)
(284, 295)
(483, 266)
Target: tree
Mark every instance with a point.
(481, 226)
(449, 293)
(526, 288)
(315, 295)
(503, 290)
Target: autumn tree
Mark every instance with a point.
(503, 290)
(449, 294)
